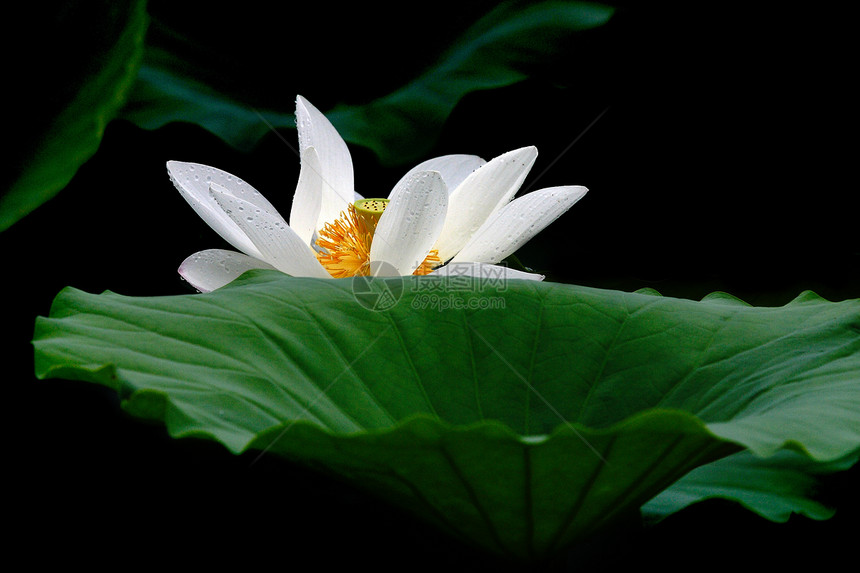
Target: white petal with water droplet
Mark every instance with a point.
(278, 244)
(193, 180)
(308, 196)
(410, 223)
(453, 168)
(213, 268)
(480, 195)
(517, 222)
(336, 172)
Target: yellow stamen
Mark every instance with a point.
(346, 245)
(430, 262)
(346, 242)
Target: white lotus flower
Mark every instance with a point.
(454, 213)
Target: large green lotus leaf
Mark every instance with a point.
(522, 416)
(500, 49)
(75, 82)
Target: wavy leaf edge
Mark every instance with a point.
(153, 404)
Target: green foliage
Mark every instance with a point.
(165, 82)
(523, 430)
(774, 487)
(78, 84)
(502, 48)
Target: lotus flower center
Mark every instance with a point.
(345, 243)
(369, 211)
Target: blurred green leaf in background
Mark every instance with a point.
(175, 78)
(77, 75)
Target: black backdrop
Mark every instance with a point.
(716, 147)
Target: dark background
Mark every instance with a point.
(715, 144)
